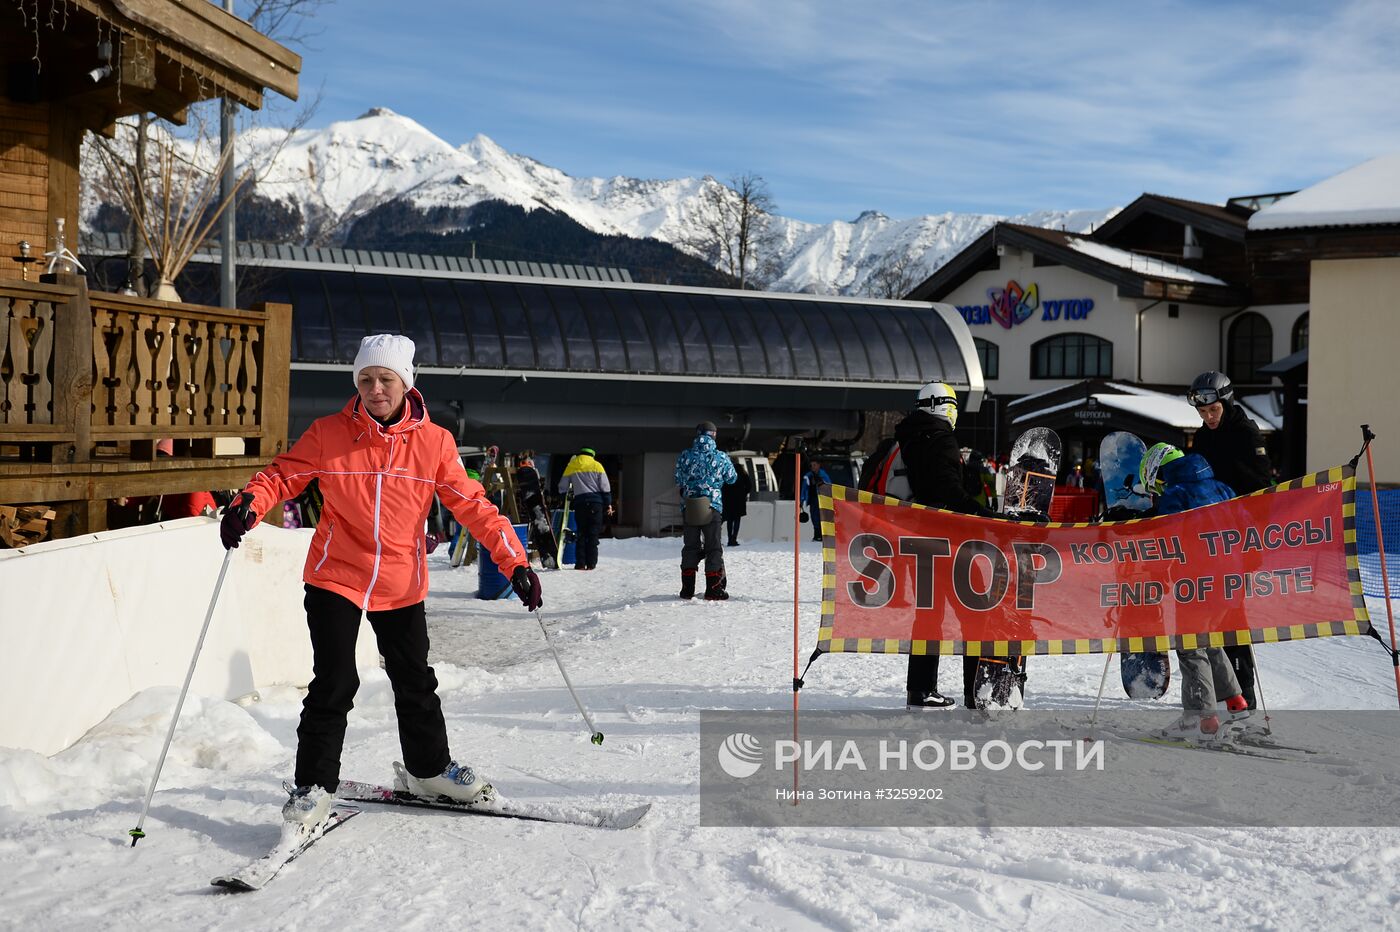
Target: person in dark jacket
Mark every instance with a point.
(812, 481)
(735, 499)
(933, 462)
(1229, 441)
(1180, 483)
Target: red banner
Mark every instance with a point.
(1274, 566)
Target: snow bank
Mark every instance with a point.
(88, 622)
(644, 663)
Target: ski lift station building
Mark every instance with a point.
(550, 358)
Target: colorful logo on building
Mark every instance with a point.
(1014, 305)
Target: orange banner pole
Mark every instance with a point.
(796, 582)
(1385, 576)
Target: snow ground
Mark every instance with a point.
(645, 664)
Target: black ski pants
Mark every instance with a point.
(402, 633)
(704, 539)
(589, 526)
(1242, 659)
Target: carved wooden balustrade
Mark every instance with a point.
(89, 383)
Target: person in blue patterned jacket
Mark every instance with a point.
(700, 471)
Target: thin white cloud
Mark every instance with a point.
(912, 107)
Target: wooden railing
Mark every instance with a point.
(148, 369)
(89, 383)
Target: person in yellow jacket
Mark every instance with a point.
(586, 479)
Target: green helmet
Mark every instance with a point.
(1152, 462)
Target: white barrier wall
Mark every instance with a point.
(87, 623)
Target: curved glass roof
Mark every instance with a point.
(496, 322)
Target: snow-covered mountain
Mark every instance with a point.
(335, 175)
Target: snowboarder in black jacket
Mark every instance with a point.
(1229, 441)
(933, 461)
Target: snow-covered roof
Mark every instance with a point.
(1172, 410)
(1143, 265)
(1364, 194)
(1265, 409)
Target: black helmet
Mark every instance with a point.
(1208, 388)
(706, 427)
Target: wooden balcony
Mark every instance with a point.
(91, 382)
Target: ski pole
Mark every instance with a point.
(1259, 688)
(137, 834)
(595, 735)
(1107, 659)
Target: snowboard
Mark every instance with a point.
(999, 683)
(1146, 675)
(1120, 454)
(564, 533)
(531, 500)
(1030, 475)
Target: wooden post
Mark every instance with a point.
(275, 376)
(72, 370)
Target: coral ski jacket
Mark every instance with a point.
(378, 483)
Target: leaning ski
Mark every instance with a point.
(295, 840)
(497, 806)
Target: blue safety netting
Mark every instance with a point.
(1368, 541)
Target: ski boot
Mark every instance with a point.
(458, 782)
(1236, 709)
(918, 700)
(1197, 729)
(687, 584)
(308, 806)
(714, 587)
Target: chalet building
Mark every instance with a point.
(90, 382)
(1338, 242)
(1091, 333)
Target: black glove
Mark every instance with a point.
(238, 519)
(803, 517)
(527, 585)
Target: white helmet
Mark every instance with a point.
(940, 399)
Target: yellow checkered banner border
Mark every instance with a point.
(1278, 565)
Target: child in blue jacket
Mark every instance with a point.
(1182, 482)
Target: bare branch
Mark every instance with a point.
(733, 229)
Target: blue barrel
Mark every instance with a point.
(569, 539)
(491, 582)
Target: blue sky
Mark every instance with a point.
(908, 108)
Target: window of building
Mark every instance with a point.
(1071, 356)
(989, 355)
(1251, 345)
(1300, 334)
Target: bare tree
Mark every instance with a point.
(733, 230)
(894, 277)
(290, 22)
(170, 221)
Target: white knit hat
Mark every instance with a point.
(388, 350)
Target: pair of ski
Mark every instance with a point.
(1239, 738)
(297, 838)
